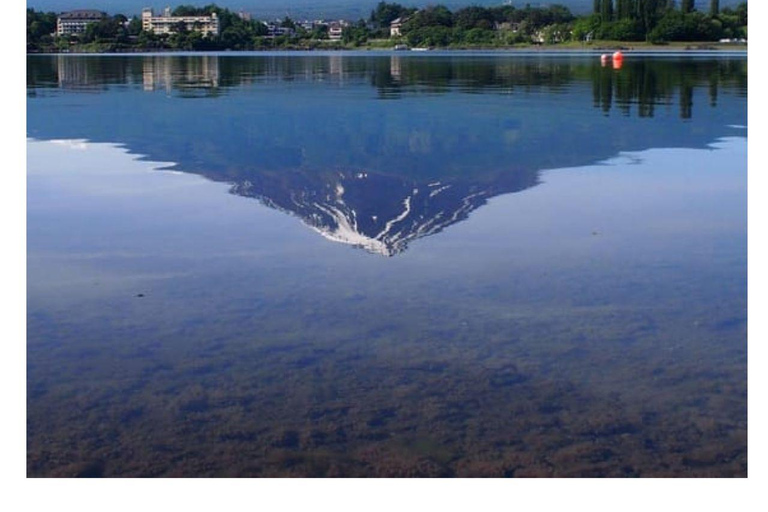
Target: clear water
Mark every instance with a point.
(371, 264)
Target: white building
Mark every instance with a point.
(335, 30)
(396, 25)
(74, 22)
(167, 24)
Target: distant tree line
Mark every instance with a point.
(469, 26)
(656, 21)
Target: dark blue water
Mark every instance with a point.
(386, 265)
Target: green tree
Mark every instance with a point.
(741, 12)
(179, 27)
(623, 9)
(356, 34)
(648, 14)
(39, 25)
(433, 16)
(189, 10)
(679, 26)
(586, 27)
(438, 35)
(40, 30)
(714, 7)
(259, 29)
(106, 29)
(150, 40)
(606, 10)
(477, 36)
(134, 26)
(473, 17)
(385, 13)
(236, 38)
(319, 32)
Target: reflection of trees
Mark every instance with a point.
(686, 101)
(72, 72)
(648, 83)
(713, 86)
(543, 103)
(99, 72)
(641, 85)
(440, 75)
(42, 74)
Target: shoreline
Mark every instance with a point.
(691, 49)
(387, 46)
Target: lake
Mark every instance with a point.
(386, 264)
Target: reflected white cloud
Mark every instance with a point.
(78, 144)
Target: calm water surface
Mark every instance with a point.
(386, 265)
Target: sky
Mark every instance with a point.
(350, 9)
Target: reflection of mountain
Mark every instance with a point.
(431, 137)
(381, 214)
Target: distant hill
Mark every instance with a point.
(265, 9)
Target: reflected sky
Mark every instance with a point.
(98, 212)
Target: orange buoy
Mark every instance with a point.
(618, 56)
(617, 63)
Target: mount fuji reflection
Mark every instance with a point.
(378, 151)
(381, 214)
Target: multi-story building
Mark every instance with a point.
(395, 26)
(335, 30)
(74, 22)
(167, 24)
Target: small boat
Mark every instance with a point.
(401, 47)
